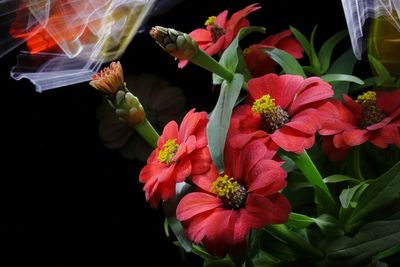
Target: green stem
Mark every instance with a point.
(146, 130)
(356, 163)
(323, 196)
(205, 61)
(283, 233)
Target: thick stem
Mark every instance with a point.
(323, 196)
(146, 130)
(205, 61)
(283, 233)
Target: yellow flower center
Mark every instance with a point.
(246, 51)
(367, 98)
(225, 187)
(210, 21)
(168, 151)
(264, 104)
(232, 193)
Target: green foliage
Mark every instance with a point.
(288, 63)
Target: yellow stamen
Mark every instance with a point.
(168, 152)
(246, 51)
(225, 187)
(366, 98)
(264, 104)
(210, 21)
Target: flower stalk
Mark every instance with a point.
(147, 131)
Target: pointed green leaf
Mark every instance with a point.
(229, 58)
(219, 120)
(382, 192)
(383, 75)
(341, 78)
(344, 64)
(303, 40)
(325, 53)
(337, 178)
(369, 241)
(297, 220)
(314, 58)
(288, 63)
(347, 195)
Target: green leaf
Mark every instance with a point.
(303, 40)
(383, 74)
(329, 225)
(379, 194)
(337, 178)
(166, 228)
(347, 195)
(179, 232)
(229, 58)
(264, 259)
(344, 64)
(314, 58)
(341, 78)
(288, 63)
(297, 220)
(325, 53)
(218, 123)
(370, 240)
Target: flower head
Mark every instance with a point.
(180, 152)
(246, 196)
(285, 111)
(110, 79)
(259, 63)
(220, 31)
(373, 117)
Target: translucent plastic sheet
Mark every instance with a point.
(67, 40)
(358, 11)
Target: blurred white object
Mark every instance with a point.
(358, 11)
(67, 40)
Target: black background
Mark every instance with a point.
(67, 200)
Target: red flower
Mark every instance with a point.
(244, 197)
(373, 117)
(220, 32)
(285, 111)
(259, 63)
(180, 152)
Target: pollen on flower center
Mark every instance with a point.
(168, 151)
(231, 192)
(371, 113)
(272, 116)
(210, 21)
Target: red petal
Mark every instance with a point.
(201, 161)
(201, 36)
(306, 121)
(353, 106)
(388, 101)
(183, 169)
(266, 178)
(385, 136)
(355, 137)
(196, 203)
(221, 19)
(282, 88)
(292, 140)
(272, 40)
(333, 153)
(205, 180)
(312, 90)
(170, 132)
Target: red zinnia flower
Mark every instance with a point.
(374, 117)
(244, 197)
(259, 63)
(220, 32)
(285, 111)
(179, 154)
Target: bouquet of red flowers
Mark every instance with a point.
(277, 173)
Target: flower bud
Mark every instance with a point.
(128, 108)
(109, 80)
(178, 44)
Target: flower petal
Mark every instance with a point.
(196, 203)
(292, 140)
(355, 137)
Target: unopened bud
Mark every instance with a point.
(128, 108)
(178, 44)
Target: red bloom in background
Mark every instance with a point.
(259, 63)
(244, 197)
(373, 117)
(220, 32)
(285, 111)
(180, 152)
